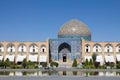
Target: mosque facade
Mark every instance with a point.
(73, 42)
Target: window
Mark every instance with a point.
(96, 46)
(87, 48)
(33, 50)
(33, 46)
(0, 48)
(11, 50)
(22, 50)
(108, 50)
(119, 46)
(96, 50)
(22, 46)
(119, 50)
(43, 50)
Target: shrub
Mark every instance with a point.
(102, 66)
(13, 66)
(112, 65)
(19, 66)
(74, 72)
(30, 65)
(94, 57)
(44, 64)
(91, 62)
(96, 64)
(118, 65)
(7, 63)
(54, 64)
(74, 63)
(2, 63)
(91, 66)
(86, 62)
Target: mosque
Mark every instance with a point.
(73, 42)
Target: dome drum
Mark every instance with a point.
(86, 37)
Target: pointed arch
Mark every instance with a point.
(97, 48)
(10, 47)
(64, 46)
(43, 48)
(108, 48)
(33, 48)
(1, 47)
(22, 47)
(87, 48)
(118, 48)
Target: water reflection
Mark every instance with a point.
(58, 73)
(64, 73)
(74, 72)
(4, 73)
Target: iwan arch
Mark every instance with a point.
(73, 42)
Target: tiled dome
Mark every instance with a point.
(74, 27)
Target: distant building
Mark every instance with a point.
(73, 42)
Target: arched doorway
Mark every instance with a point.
(64, 52)
(64, 58)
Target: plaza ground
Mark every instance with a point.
(57, 78)
(61, 69)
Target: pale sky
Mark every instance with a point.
(37, 20)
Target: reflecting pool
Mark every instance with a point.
(58, 73)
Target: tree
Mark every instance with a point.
(7, 63)
(24, 63)
(86, 62)
(1, 63)
(94, 57)
(118, 65)
(74, 63)
(91, 62)
(30, 64)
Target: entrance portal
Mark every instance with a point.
(64, 58)
(64, 51)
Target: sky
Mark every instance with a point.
(38, 20)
